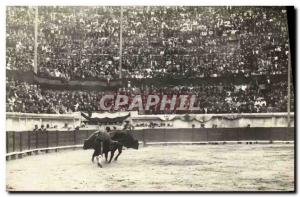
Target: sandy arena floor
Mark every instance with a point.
(163, 168)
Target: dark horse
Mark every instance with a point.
(124, 138)
(100, 142)
(103, 142)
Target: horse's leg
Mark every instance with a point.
(120, 151)
(106, 155)
(99, 160)
(112, 152)
(94, 154)
(100, 155)
(106, 150)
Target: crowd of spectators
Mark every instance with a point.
(205, 41)
(79, 42)
(19, 38)
(221, 98)
(83, 42)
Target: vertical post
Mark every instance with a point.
(74, 136)
(36, 139)
(193, 135)
(47, 138)
(255, 134)
(29, 140)
(14, 140)
(289, 79)
(57, 139)
(121, 42)
(21, 138)
(289, 90)
(7, 142)
(35, 39)
(270, 136)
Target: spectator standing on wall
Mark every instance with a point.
(127, 126)
(35, 128)
(42, 129)
(107, 129)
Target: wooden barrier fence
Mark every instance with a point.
(29, 140)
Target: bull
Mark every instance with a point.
(103, 142)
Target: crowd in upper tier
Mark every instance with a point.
(220, 98)
(19, 38)
(83, 43)
(80, 43)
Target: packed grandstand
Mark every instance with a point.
(235, 59)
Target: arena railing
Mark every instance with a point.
(23, 143)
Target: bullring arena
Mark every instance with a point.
(256, 167)
(205, 159)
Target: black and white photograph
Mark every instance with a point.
(143, 98)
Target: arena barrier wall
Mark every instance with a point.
(215, 134)
(26, 121)
(22, 141)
